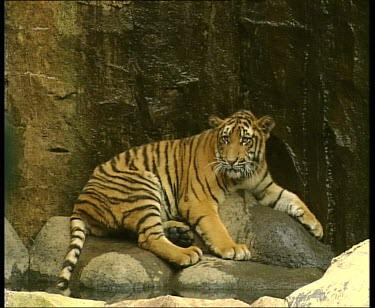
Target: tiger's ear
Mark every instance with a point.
(214, 121)
(266, 124)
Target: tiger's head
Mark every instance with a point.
(241, 143)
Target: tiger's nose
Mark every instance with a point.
(231, 161)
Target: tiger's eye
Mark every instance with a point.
(247, 140)
(224, 139)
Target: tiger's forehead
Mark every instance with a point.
(241, 125)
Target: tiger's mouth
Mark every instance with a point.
(236, 171)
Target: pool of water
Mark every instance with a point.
(112, 296)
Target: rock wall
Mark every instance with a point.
(88, 79)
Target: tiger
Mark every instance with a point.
(175, 183)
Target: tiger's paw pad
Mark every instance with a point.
(236, 252)
(179, 233)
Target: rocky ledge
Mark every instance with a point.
(344, 284)
(285, 257)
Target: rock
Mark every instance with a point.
(16, 256)
(344, 284)
(248, 280)
(267, 301)
(49, 249)
(115, 271)
(43, 299)
(175, 301)
(273, 237)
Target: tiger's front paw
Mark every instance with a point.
(187, 256)
(312, 224)
(316, 229)
(234, 252)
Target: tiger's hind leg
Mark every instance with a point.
(142, 214)
(178, 233)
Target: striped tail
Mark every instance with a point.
(77, 239)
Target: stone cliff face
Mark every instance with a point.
(86, 80)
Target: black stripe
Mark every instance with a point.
(195, 224)
(193, 190)
(197, 172)
(182, 169)
(133, 156)
(140, 208)
(126, 157)
(144, 218)
(261, 181)
(77, 236)
(145, 158)
(64, 281)
(77, 229)
(187, 215)
(176, 185)
(154, 165)
(68, 263)
(212, 195)
(278, 198)
(265, 188)
(256, 143)
(168, 175)
(221, 187)
(157, 152)
(160, 233)
(74, 246)
(149, 227)
(189, 143)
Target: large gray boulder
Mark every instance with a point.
(49, 249)
(16, 256)
(272, 236)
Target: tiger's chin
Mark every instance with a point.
(235, 174)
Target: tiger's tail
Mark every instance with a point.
(78, 233)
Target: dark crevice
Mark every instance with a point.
(58, 150)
